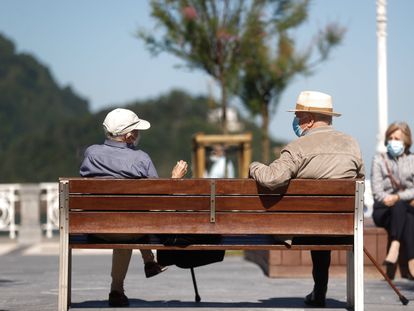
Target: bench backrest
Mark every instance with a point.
(219, 206)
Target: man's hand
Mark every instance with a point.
(179, 170)
(391, 199)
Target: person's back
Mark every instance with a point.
(320, 152)
(323, 153)
(327, 153)
(118, 160)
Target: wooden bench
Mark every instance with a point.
(246, 214)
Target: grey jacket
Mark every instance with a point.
(321, 153)
(402, 168)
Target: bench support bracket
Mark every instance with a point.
(213, 201)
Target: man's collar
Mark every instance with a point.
(114, 143)
(324, 128)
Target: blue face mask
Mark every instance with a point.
(395, 148)
(296, 127)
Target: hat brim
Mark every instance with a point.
(142, 125)
(334, 114)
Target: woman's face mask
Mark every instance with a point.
(395, 148)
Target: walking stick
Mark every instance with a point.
(197, 296)
(403, 300)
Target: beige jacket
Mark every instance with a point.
(321, 153)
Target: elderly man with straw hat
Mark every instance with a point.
(320, 152)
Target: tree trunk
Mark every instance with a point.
(265, 133)
(223, 105)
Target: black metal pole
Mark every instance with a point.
(197, 296)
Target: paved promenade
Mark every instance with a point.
(29, 280)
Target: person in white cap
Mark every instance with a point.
(320, 152)
(117, 158)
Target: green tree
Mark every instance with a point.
(268, 70)
(206, 34)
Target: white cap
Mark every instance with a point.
(121, 121)
(316, 102)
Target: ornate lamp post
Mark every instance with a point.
(382, 73)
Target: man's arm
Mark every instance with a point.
(278, 173)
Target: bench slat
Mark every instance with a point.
(295, 187)
(227, 242)
(226, 223)
(139, 186)
(202, 186)
(235, 247)
(223, 203)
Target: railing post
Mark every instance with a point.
(30, 231)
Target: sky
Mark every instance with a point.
(91, 46)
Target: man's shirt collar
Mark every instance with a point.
(116, 144)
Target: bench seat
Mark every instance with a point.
(318, 214)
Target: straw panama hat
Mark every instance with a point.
(316, 102)
(121, 121)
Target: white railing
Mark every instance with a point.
(8, 199)
(50, 195)
(10, 195)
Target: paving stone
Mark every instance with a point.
(29, 281)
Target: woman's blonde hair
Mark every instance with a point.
(405, 129)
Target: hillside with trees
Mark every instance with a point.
(46, 127)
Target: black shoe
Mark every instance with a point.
(390, 269)
(153, 268)
(117, 299)
(315, 300)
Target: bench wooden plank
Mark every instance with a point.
(144, 186)
(202, 186)
(318, 247)
(228, 242)
(198, 222)
(295, 187)
(222, 203)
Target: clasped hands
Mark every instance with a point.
(391, 199)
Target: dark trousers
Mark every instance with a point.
(321, 261)
(399, 223)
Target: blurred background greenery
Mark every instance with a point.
(46, 128)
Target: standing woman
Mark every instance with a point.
(392, 180)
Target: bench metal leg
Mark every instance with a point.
(69, 277)
(350, 278)
(64, 252)
(355, 258)
(197, 296)
(64, 288)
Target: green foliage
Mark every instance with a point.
(32, 108)
(46, 128)
(205, 34)
(246, 46)
(268, 70)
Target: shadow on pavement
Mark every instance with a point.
(286, 302)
